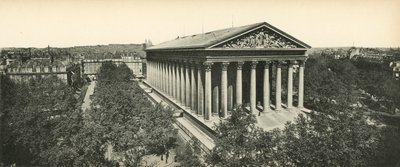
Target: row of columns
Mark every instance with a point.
(189, 84)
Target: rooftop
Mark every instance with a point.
(36, 63)
(212, 38)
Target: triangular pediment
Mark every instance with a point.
(260, 37)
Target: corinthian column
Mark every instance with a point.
(158, 75)
(266, 86)
(239, 83)
(162, 74)
(301, 83)
(290, 85)
(173, 79)
(193, 87)
(278, 99)
(208, 108)
(224, 89)
(253, 86)
(183, 86)
(200, 90)
(169, 79)
(178, 83)
(187, 82)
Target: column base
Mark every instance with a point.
(223, 118)
(306, 110)
(266, 111)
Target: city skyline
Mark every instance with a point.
(73, 23)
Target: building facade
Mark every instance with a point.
(90, 67)
(211, 73)
(395, 65)
(36, 68)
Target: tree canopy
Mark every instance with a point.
(336, 133)
(46, 127)
(123, 117)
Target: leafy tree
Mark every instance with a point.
(236, 141)
(160, 136)
(124, 118)
(11, 152)
(35, 108)
(323, 84)
(336, 136)
(190, 155)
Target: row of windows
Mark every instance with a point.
(90, 68)
(25, 78)
(38, 69)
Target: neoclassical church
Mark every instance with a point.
(257, 66)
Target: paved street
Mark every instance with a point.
(89, 92)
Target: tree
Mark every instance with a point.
(35, 109)
(122, 117)
(329, 80)
(160, 136)
(190, 155)
(236, 141)
(335, 136)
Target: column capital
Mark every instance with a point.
(292, 62)
(187, 64)
(193, 64)
(302, 63)
(266, 64)
(254, 64)
(279, 63)
(239, 65)
(199, 65)
(208, 66)
(224, 66)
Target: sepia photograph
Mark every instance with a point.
(199, 83)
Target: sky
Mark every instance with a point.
(319, 23)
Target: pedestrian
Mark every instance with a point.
(166, 157)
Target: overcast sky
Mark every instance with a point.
(61, 23)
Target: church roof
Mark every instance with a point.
(218, 37)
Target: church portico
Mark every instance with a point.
(209, 74)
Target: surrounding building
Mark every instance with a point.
(210, 73)
(23, 71)
(135, 63)
(395, 65)
(3, 66)
(23, 64)
(91, 65)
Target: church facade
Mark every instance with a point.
(211, 73)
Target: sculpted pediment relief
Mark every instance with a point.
(260, 38)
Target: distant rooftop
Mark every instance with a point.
(44, 62)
